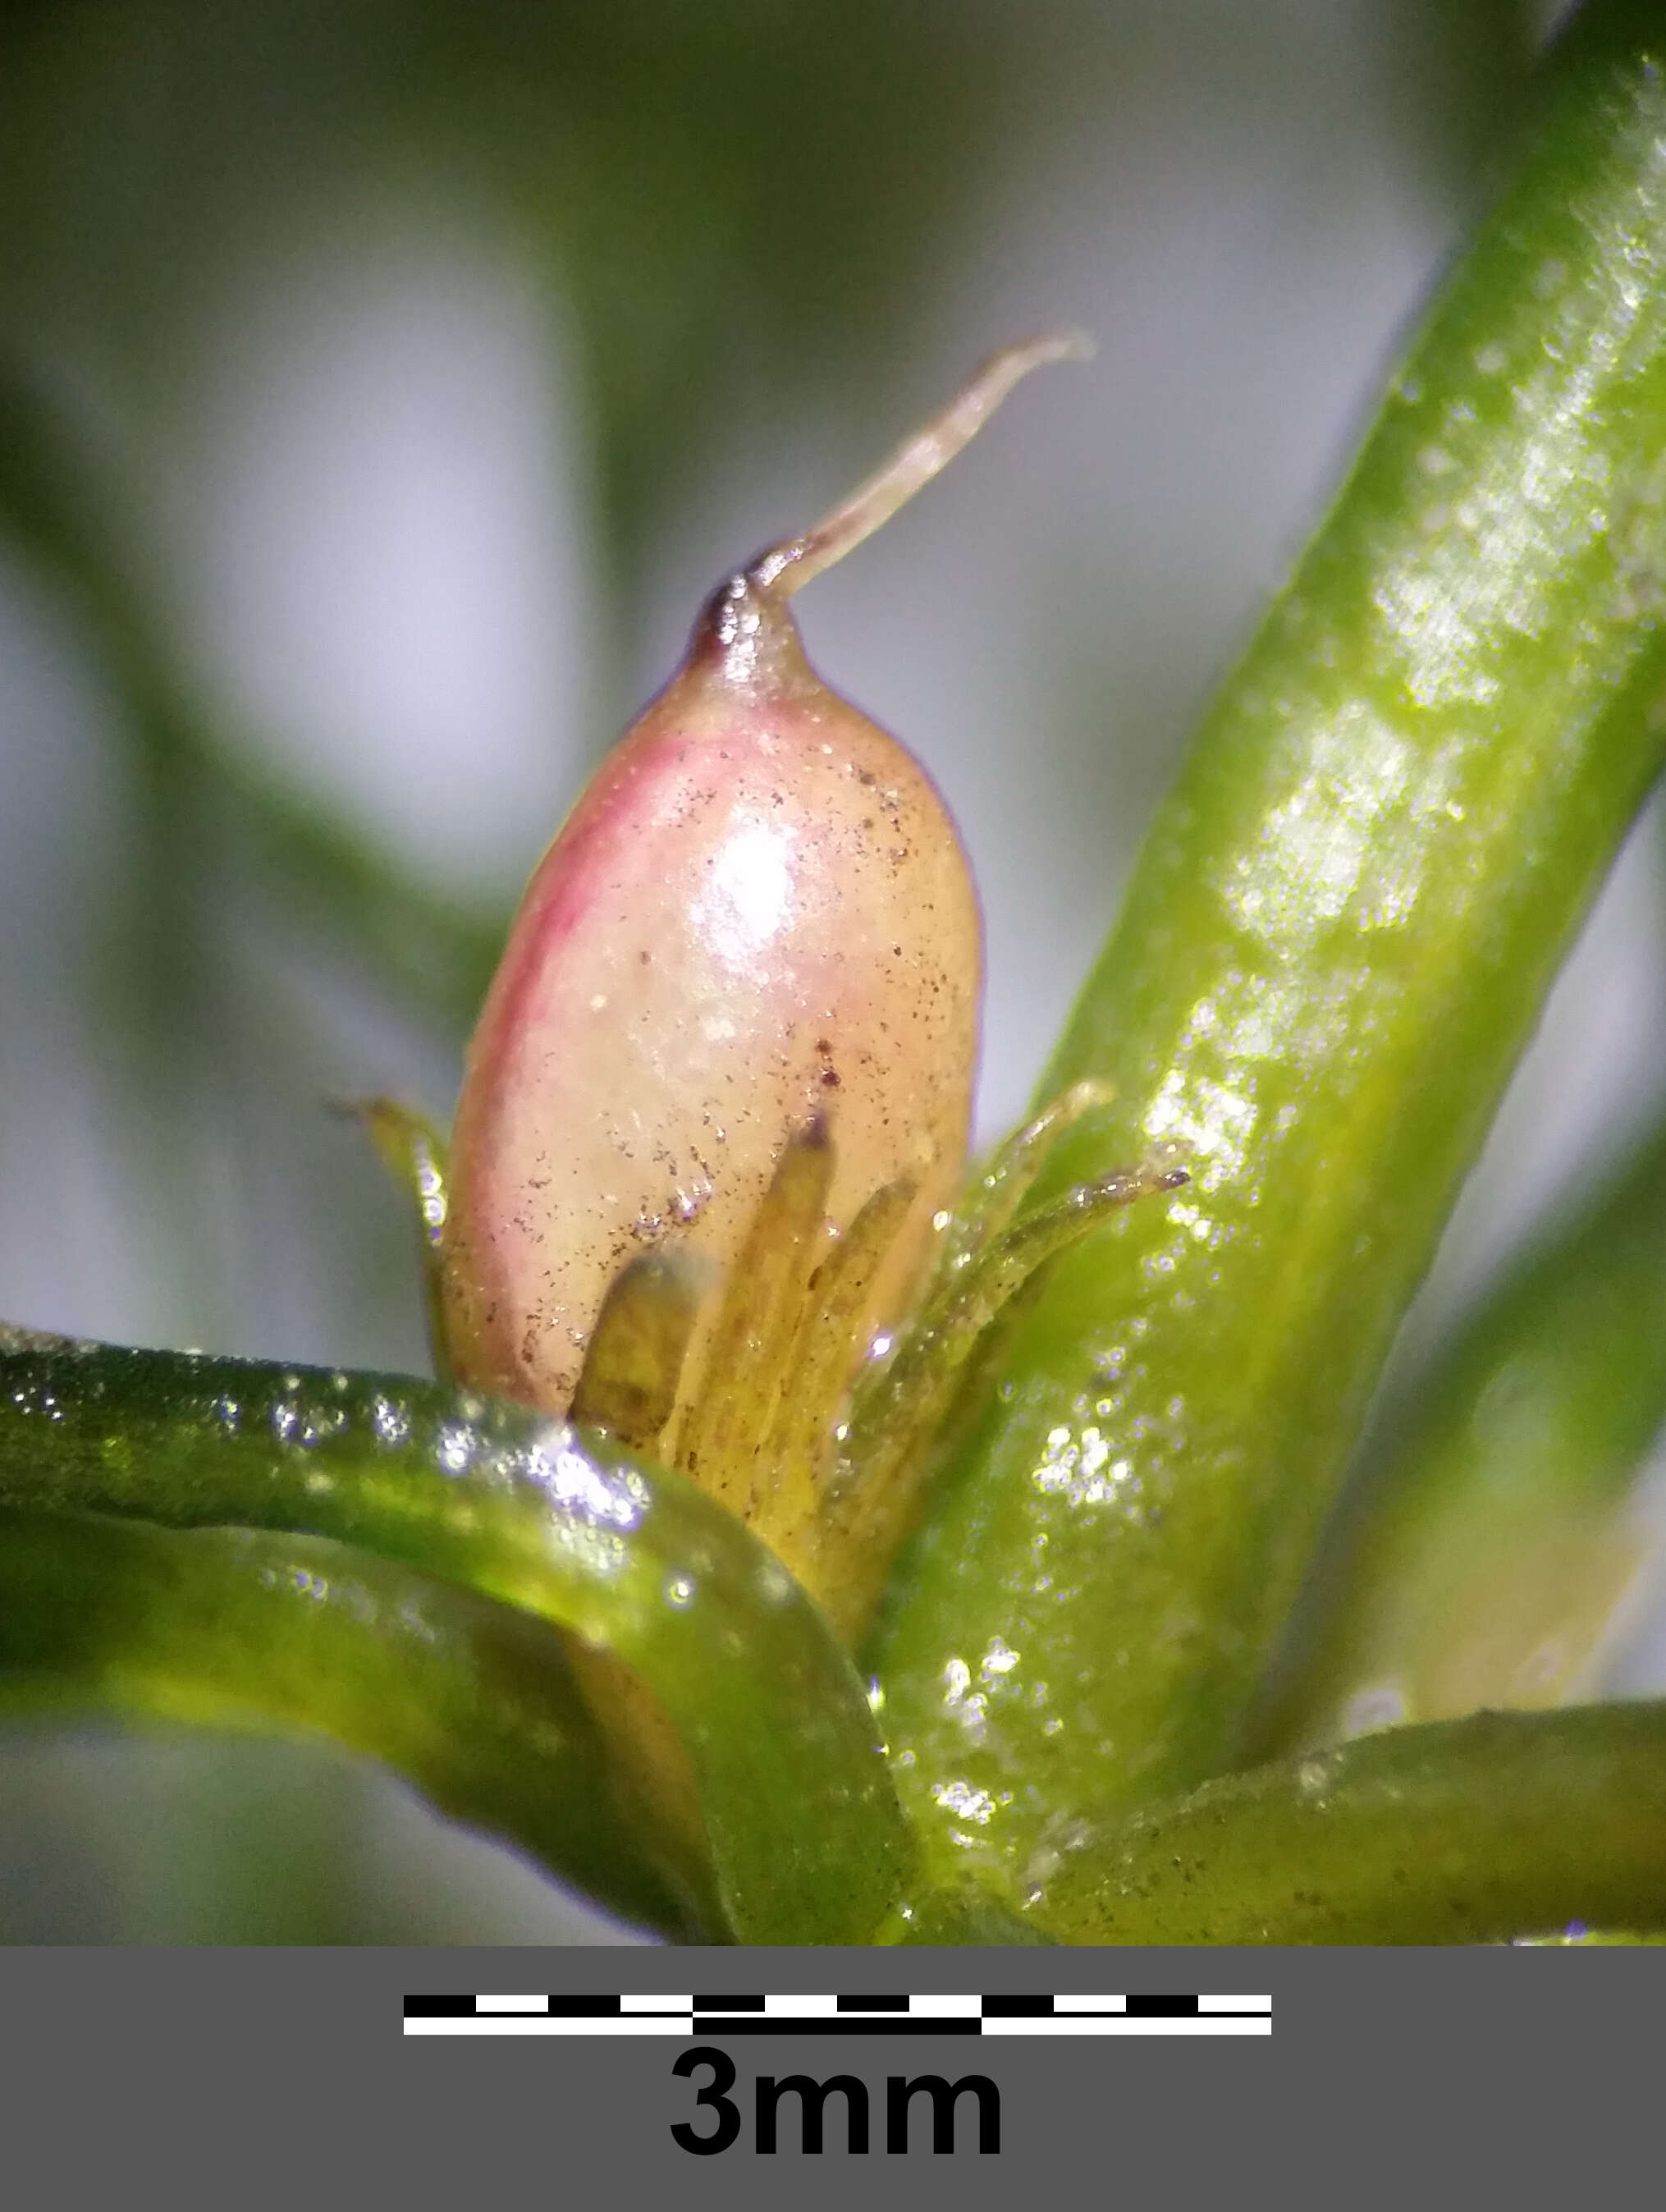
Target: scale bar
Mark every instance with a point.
(801, 2012)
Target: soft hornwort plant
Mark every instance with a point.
(991, 1661)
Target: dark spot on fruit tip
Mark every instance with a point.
(829, 1081)
(897, 950)
(824, 1045)
(645, 957)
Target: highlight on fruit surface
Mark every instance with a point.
(716, 1109)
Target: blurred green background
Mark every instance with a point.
(383, 383)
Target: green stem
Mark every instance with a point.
(474, 1703)
(1463, 1832)
(651, 1576)
(1339, 933)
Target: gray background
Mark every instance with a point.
(1390, 2077)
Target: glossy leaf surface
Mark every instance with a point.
(785, 1773)
(1340, 933)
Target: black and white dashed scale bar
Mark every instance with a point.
(796, 2014)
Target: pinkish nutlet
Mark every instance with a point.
(716, 1108)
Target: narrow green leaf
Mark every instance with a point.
(1485, 1559)
(1340, 931)
(1463, 1832)
(415, 1154)
(788, 1774)
(474, 1703)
